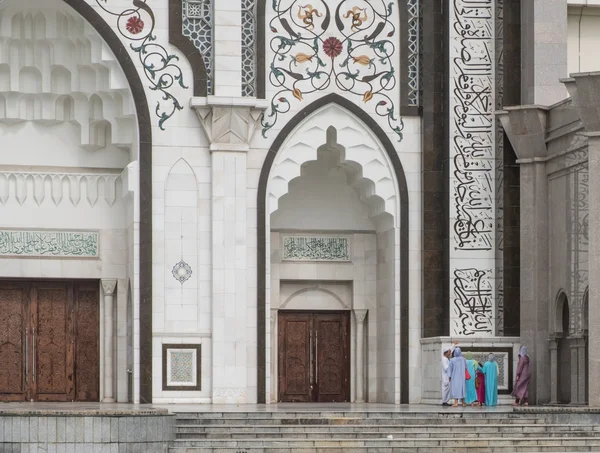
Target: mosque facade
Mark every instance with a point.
(259, 201)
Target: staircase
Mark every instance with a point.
(383, 432)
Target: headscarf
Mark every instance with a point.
(457, 352)
(491, 358)
(523, 351)
(469, 356)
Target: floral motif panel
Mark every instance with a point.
(137, 24)
(249, 47)
(49, 243)
(303, 248)
(348, 46)
(197, 26)
(502, 359)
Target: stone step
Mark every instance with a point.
(285, 429)
(443, 414)
(327, 420)
(395, 449)
(454, 444)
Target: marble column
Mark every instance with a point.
(574, 369)
(229, 123)
(360, 354)
(526, 130)
(108, 290)
(553, 346)
(581, 377)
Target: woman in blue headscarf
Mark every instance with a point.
(521, 387)
(471, 395)
(456, 373)
(491, 371)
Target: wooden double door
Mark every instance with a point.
(314, 356)
(49, 341)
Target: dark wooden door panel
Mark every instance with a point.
(52, 364)
(331, 338)
(87, 354)
(13, 342)
(49, 330)
(294, 357)
(314, 356)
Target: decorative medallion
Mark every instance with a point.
(159, 66)
(315, 47)
(182, 272)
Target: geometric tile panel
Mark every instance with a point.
(181, 369)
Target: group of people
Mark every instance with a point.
(469, 382)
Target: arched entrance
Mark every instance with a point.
(342, 140)
(86, 107)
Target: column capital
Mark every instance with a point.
(360, 315)
(108, 286)
(229, 122)
(273, 316)
(525, 127)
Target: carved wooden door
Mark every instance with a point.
(13, 341)
(49, 341)
(332, 353)
(314, 356)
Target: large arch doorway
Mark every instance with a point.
(76, 107)
(336, 137)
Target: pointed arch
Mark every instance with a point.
(145, 188)
(402, 190)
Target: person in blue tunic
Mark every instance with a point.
(456, 373)
(471, 395)
(491, 371)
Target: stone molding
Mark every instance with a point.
(40, 185)
(229, 123)
(108, 286)
(525, 127)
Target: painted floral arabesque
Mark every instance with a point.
(137, 24)
(314, 46)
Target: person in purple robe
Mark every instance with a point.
(480, 385)
(522, 379)
(456, 373)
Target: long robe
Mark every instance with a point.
(521, 387)
(445, 380)
(456, 372)
(471, 393)
(480, 386)
(490, 370)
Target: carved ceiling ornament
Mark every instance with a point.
(349, 48)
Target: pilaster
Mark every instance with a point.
(553, 346)
(526, 130)
(229, 124)
(360, 316)
(108, 291)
